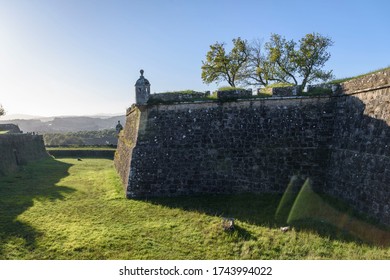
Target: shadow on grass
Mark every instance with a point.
(304, 215)
(249, 208)
(240, 233)
(36, 181)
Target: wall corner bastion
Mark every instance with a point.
(339, 141)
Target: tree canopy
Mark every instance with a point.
(281, 55)
(277, 61)
(2, 111)
(222, 66)
(311, 56)
(258, 70)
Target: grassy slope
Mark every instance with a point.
(69, 209)
(338, 81)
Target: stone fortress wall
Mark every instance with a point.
(17, 149)
(359, 165)
(340, 141)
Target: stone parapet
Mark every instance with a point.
(176, 97)
(369, 82)
(285, 91)
(233, 94)
(328, 88)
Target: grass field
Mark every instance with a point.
(69, 209)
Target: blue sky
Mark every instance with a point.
(82, 57)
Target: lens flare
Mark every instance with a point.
(308, 205)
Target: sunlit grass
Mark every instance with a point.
(69, 209)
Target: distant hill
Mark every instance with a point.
(66, 124)
(19, 117)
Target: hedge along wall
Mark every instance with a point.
(19, 149)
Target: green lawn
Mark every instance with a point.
(69, 209)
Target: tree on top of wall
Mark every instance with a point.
(222, 66)
(311, 57)
(305, 60)
(277, 61)
(2, 111)
(261, 70)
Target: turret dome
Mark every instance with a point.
(142, 90)
(142, 81)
